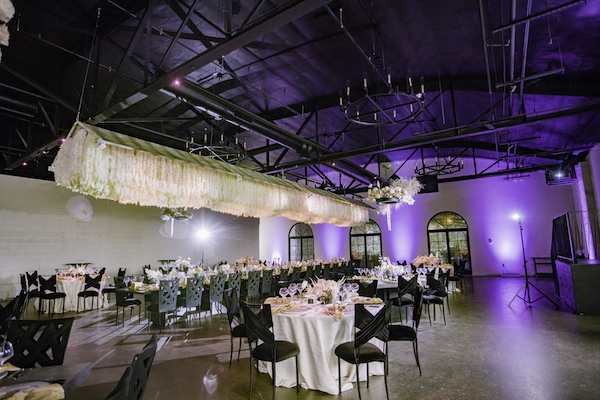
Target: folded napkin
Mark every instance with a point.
(8, 367)
(49, 392)
(281, 309)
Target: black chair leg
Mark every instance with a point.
(358, 381)
(385, 376)
(251, 373)
(274, 364)
(416, 351)
(367, 375)
(231, 350)
(239, 349)
(297, 380)
(339, 377)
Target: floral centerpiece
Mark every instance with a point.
(326, 290)
(426, 261)
(176, 213)
(398, 192)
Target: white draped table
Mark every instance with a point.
(71, 287)
(317, 334)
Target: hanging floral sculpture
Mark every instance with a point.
(399, 192)
(176, 213)
(7, 11)
(109, 165)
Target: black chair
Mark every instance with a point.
(434, 295)
(295, 278)
(309, 275)
(48, 292)
(140, 370)
(283, 279)
(266, 284)
(121, 391)
(122, 272)
(270, 350)
(91, 289)
(405, 288)
(237, 329)
(409, 333)
(13, 310)
(253, 286)
(459, 275)
(216, 289)
(31, 285)
(125, 300)
(360, 351)
(369, 290)
(234, 281)
(108, 290)
(317, 272)
(39, 342)
(193, 295)
(327, 271)
(167, 300)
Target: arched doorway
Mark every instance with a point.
(365, 243)
(301, 243)
(448, 237)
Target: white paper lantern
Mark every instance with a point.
(80, 208)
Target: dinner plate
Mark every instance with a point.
(8, 391)
(298, 310)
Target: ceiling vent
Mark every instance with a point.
(558, 176)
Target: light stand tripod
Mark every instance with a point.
(526, 293)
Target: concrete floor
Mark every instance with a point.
(487, 350)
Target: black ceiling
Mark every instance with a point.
(516, 82)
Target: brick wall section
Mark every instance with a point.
(37, 233)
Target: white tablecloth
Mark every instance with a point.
(317, 335)
(71, 288)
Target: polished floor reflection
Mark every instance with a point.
(487, 350)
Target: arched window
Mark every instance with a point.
(365, 243)
(448, 237)
(301, 243)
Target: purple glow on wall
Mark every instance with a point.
(330, 241)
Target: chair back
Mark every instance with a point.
(141, 365)
(266, 281)
(167, 295)
(121, 391)
(417, 306)
(93, 283)
(317, 272)
(20, 303)
(234, 281)
(232, 304)
(369, 325)
(296, 274)
(253, 285)
(47, 285)
(283, 275)
(309, 273)
(435, 287)
(39, 342)
(327, 271)
(369, 290)
(6, 315)
(24, 283)
(407, 287)
(443, 278)
(216, 288)
(32, 280)
(122, 272)
(119, 282)
(193, 292)
(256, 328)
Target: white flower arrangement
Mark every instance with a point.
(400, 191)
(426, 260)
(328, 288)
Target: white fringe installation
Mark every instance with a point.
(89, 163)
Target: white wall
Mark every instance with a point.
(487, 206)
(37, 233)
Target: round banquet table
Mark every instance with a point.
(71, 287)
(317, 334)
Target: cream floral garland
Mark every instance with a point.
(89, 165)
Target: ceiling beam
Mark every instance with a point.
(443, 135)
(280, 17)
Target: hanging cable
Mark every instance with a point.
(87, 68)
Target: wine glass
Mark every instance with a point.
(6, 351)
(292, 289)
(283, 292)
